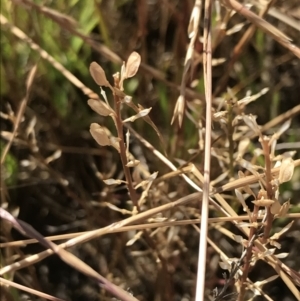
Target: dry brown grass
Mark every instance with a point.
(206, 208)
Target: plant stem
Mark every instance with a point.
(230, 138)
(246, 268)
(132, 192)
(269, 187)
(119, 125)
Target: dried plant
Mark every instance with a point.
(209, 210)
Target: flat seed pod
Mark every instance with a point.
(275, 207)
(286, 170)
(99, 134)
(132, 64)
(284, 209)
(250, 120)
(98, 74)
(100, 107)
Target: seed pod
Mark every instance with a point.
(98, 74)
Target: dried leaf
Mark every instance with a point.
(250, 98)
(115, 208)
(220, 115)
(261, 283)
(113, 182)
(268, 252)
(179, 110)
(275, 243)
(56, 155)
(240, 197)
(284, 209)
(133, 163)
(238, 238)
(243, 147)
(98, 74)
(250, 120)
(149, 180)
(99, 134)
(127, 101)
(100, 107)
(284, 127)
(193, 27)
(286, 170)
(282, 255)
(263, 203)
(235, 28)
(132, 65)
(289, 154)
(136, 237)
(142, 113)
(217, 62)
(275, 208)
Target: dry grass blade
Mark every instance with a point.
(248, 180)
(96, 233)
(264, 25)
(67, 257)
(137, 199)
(151, 225)
(281, 118)
(9, 283)
(207, 72)
(284, 18)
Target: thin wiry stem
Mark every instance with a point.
(200, 286)
(269, 187)
(132, 192)
(32, 291)
(119, 126)
(230, 138)
(248, 255)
